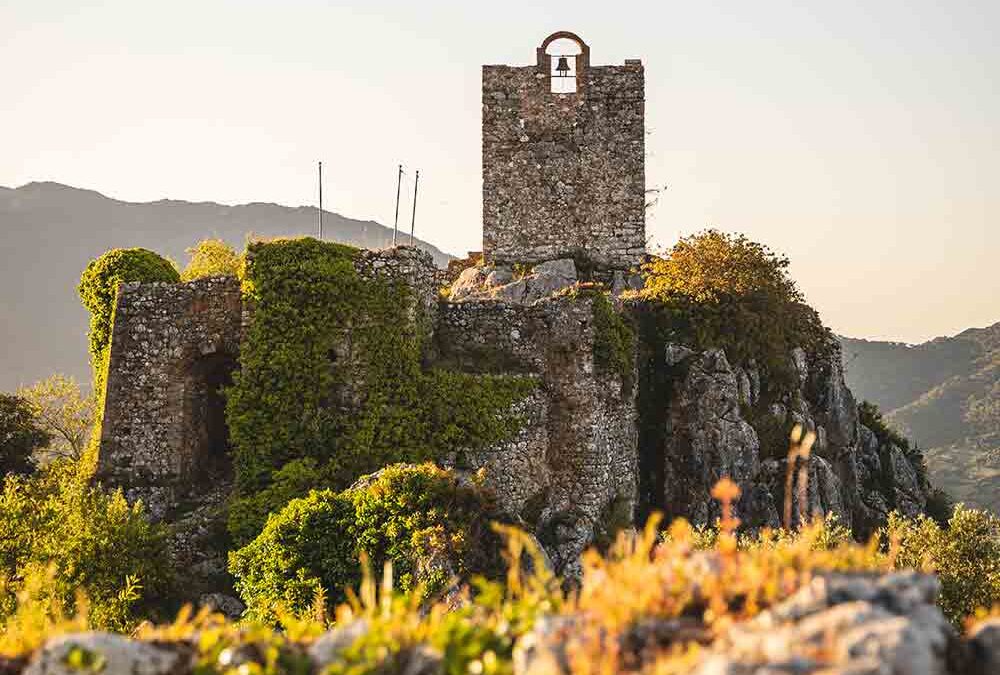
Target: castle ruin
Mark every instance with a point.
(563, 181)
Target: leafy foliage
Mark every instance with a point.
(720, 290)
(421, 518)
(211, 258)
(55, 523)
(64, 412)
(331, 372)
(98, 289)
(965, 555)
(20, 435)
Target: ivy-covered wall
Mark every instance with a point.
(334, 373)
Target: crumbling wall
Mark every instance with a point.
(173, 348)
(574, 463)
(563, 174)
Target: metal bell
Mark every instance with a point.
(562, 68)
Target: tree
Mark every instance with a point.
(63, 411)
(211, 258)
(20, 435)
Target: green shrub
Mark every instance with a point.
(421, 518)
(720, 290)
(93, 541)
(211, 258)
(306, 392)
(965, 555)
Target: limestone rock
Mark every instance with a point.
(709, 439)
(468, 282)
(108, 654)
(331, 644)
(845, 623)
(227, 605)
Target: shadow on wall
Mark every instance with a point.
(205, 408)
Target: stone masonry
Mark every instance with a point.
(173, 348)
(563, 174)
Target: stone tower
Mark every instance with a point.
(563, 160)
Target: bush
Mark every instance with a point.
(20, 435)
(418, 517)
(93, 542)
(965, 555)
(720, 290)
(212, 258)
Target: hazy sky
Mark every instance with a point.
(860, 138)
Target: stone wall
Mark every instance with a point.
(173, 347)
(563, 174)
(573, 466)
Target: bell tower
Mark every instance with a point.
(563, 158)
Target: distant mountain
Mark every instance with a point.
(48, 233)
(945, 395)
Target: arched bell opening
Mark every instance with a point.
(208, 453)
(564, 57)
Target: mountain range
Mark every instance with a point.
(49, 232)
(944, 395)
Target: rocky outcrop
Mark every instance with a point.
(838, 624)
(857, 624)
(706, 438)
(703, 418)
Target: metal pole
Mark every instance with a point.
(395, 224)
(416, 182)
(321, 201)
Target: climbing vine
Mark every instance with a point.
(331, 371)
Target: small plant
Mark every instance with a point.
(212, 258)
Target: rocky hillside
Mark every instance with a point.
(50, 232)
(945, 395)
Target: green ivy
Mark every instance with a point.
(98, 290)
(614, 340)
(331, 371)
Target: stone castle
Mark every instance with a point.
(563, 203)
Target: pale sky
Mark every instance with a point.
(862, 139)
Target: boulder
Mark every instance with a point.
(844, 623)
(108, 654)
